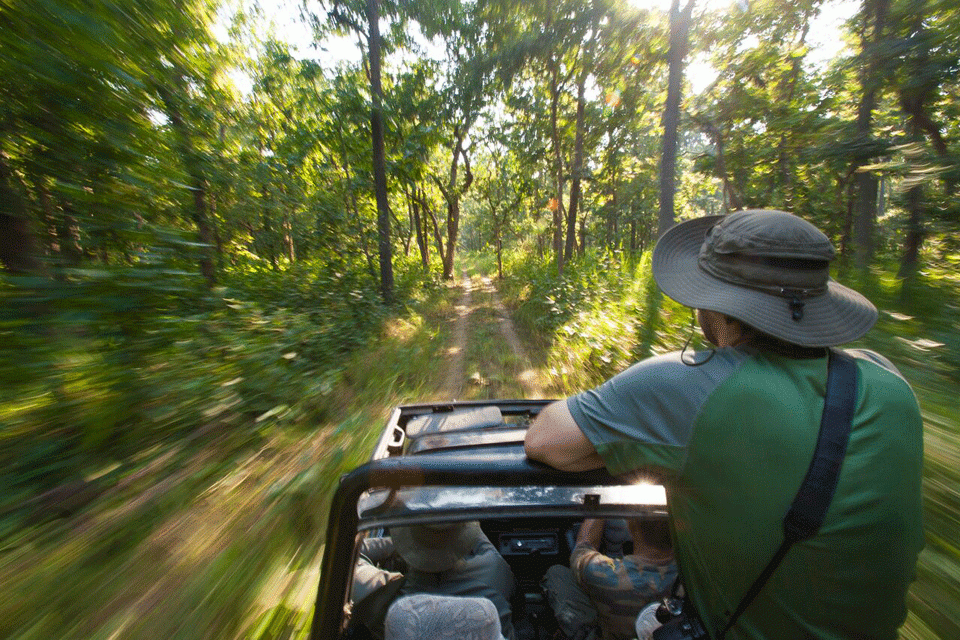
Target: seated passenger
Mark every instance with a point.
(454, 559)
(599, 591)
(429, 617)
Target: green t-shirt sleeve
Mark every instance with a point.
(644, 416)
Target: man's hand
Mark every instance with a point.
(555, 439)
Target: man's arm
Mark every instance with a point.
(591, 532)
(555, 439)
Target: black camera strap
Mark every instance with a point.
(809, 507)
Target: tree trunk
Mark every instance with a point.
(217, 238)
(577, 169)
(732, 200)
(436, 231)
(914, 104)
(452, 192)
(62, 226)
(865, 206)
(864, 219)
(204, 228)
(288, 240)
(557, 208)
(784, 173)
(453, 227)
(679, 27)
(379, 163)
(17, 242)
(266, 226)
(408, 237)
(198, 183)
(422, 241)
(914, 239)
(844, 195)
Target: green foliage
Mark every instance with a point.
(601, 315)
(204, 443)
(105, 365)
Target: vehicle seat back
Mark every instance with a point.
(432, 617)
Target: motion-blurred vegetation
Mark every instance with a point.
(223, 256)
(163, 472)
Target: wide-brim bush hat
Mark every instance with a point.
(436, 547)
(768, 269)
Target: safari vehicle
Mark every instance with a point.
(437, 463)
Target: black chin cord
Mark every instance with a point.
(693, 328)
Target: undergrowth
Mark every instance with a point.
(598, 317)
(169, 475)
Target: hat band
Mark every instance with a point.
(809, 277)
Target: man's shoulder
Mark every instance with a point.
(874, 359)
(882, 385)
(683, 371)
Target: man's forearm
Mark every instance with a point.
(591, 532)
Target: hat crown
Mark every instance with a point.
(436, 547)
(769, 250)
(769, 233)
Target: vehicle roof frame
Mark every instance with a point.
(455, 467)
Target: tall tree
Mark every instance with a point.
(466, 85)
(679, 31)
(365, 22)
(576, 167)
(872, 35)
(756, 115)
(927, 63)
(379, 165)
(17, 250)
(171, 99)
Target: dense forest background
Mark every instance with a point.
(213, 243)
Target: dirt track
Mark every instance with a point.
(477, 309)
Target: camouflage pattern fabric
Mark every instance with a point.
(620, 588)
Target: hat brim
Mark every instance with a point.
(433, 551)
(836, 317)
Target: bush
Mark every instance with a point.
(102, 365)
(601, 315)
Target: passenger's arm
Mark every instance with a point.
(555, 439)
(591, 532)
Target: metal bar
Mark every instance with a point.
(459, 468)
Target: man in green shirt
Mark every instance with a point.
(731, 433)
